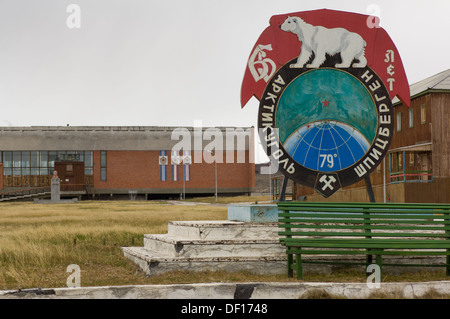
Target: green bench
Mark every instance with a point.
(372, 230)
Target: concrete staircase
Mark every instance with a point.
(211, 245)
(24, 194)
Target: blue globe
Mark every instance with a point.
(326, 146)
(327, 120)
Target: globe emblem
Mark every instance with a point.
(327, 120)
(326, 146)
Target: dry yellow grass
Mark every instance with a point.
(38, 242)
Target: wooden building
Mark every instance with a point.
(143, 161)
(417, 168)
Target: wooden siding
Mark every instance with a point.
(419, 133)
(441, 134)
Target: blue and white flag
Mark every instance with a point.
(163, 165)
(187, 165)
(175, 160)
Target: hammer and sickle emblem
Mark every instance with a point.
(327, 181)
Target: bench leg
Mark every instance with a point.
(369, 260)
(379, 261)
(447, 267)
(299, 266)
(290, 265)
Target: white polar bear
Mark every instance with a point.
(322, 41)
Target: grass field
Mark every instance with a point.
(38, 242)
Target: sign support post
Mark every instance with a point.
(369, 189)
(283, 189)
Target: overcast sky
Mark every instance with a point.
(168, 63)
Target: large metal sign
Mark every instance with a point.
(325, 80)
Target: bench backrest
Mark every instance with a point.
(365, 220)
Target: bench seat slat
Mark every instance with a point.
(355, 234)
(431, 221)
(370, 252)
(356, 216)
(367, 243)
(320, 208)
(367, 227)
(366, 212)
(411, 206)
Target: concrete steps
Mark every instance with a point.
(211, 245)
(12, 198)
(222, 230)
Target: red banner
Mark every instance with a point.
(323, 32)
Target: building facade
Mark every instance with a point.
(417, 167)
(149, 161)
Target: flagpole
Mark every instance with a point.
(184, 180)
(215, 162)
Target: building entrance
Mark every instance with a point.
(71, 175)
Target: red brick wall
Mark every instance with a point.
(141, 169)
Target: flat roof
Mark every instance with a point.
(140, 138)
(112, 128)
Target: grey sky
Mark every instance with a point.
(136, 62)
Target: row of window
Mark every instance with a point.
(423, 117)
(18, 163)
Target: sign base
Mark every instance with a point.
(267, 213)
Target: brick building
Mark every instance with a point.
(110, 161)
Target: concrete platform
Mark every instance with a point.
(186, 247)
(211, 245)
(222, 229)
(253, 213)
(154, 264)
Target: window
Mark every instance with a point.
(34, 161)
(26, 164)
(103, 165)
(411, 117)
(16, 159)
(399, 121)
(51, 161)
(16, 163)
(411, 159)
(43, 157)
(423, 114)
(25, 159)
(7, 163)
(88, 163)
(400, 162)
